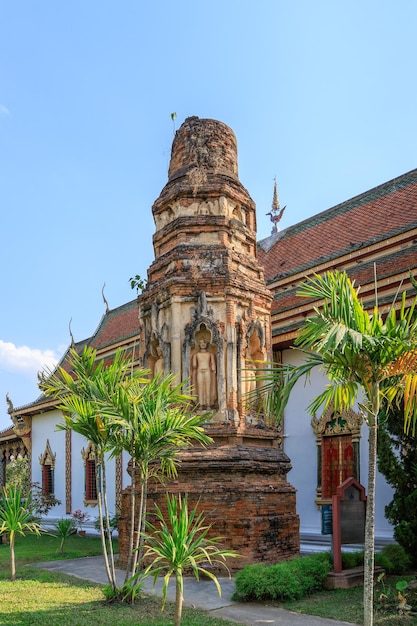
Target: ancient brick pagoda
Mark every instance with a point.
(205, 315)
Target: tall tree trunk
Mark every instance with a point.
(369, 557)
(129, 568)
(142, 525)
(100, 514)
(107, 534)
(137, 560)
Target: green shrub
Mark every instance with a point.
(352, 559)
(384, 562)
(288, 580)
(281, 583)
(312, 572)
(250, 582)
(399, 561)
(406, 534)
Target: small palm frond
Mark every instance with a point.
(181, 541)
(404, 365)
(339, 300)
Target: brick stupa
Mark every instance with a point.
(205, 316)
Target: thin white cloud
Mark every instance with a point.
(4, 110)
(24, 359)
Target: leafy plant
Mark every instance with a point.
(16, 518)
(113, 523)
(80, 518)
(153, 425)
(392, 599)
(397, 461)
(288, 580)
(64, 527)
(18, 474)
(80, 396)
(138, 283)
(181, 542)
(42, 502)
(118, 408)
(398, 559)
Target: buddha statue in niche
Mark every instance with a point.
(159, 367)
(156, 359)
(203, 370)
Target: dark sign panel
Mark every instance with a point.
(349, 509)
(352, 520)
(326, 519)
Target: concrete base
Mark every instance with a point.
(348, 578)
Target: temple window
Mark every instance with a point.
(337, 460)
(90, 476)
(47, 462)
(337, 438)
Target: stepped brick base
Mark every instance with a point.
(243, 492)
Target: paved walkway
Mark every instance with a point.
(198, 594)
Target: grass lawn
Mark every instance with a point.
(347, 605)
(44, 598)
(49, 598)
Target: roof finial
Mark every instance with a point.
(10, 403)
(104, 298)
(71, 335)
(276, 213)
(275, 200)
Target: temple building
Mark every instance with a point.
(216, 301)
(371, 235)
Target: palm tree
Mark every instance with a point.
(16, 518)
(179, 544)
(153, 426)
(82, 391)
(364, 355)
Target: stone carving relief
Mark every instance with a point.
(156, 358)
(251, 357)
(203, 362)
(215, 206)
(22, 426)
(158, 366)
(165, 217)
(255, 342)
(337, 423)
(203, 368)
(158, 354)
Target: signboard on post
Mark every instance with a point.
(326, 519)
(349, 510)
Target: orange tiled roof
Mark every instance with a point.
(116, 325)
(375, 215)
(377, 228)
(117, 328)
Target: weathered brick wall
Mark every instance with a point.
(243, 493)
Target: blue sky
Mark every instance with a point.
(321, 94)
